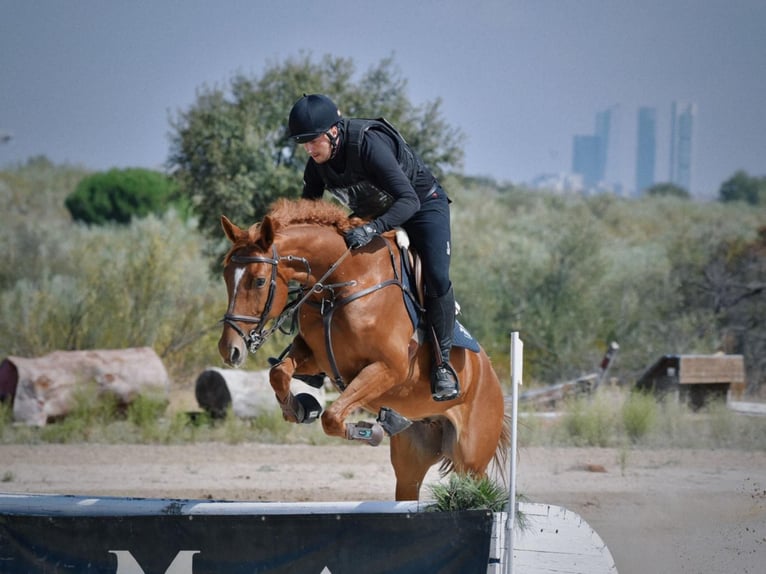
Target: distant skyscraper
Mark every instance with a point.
(585, 159)
(608, 130)
(646, 148)
(681, 138)
(602, 132)
(591, 153)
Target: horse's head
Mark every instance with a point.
(257, 290)
(300, 241)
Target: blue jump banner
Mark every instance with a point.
(52, 534)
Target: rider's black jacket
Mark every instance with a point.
(374, 172)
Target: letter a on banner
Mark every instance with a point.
(127, 564)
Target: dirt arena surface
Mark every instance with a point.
(659, 511)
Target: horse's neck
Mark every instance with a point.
(321, 246)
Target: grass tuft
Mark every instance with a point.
(639, 413)
(466, 492)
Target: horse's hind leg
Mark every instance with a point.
(481, 432)
(413, 452)
(300, 358)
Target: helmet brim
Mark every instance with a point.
(305, 138)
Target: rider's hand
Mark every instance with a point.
(360, 236)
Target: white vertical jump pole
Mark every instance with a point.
(517, 356)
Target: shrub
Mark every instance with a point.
(590, 422)
(92, 411)
(144, 284)
(120, 195)
(639, 412)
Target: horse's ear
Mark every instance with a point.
(268, 230)
(232, 231)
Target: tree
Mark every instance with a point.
(732, 284)
(742, 187)
(230, 150)
(119, 195)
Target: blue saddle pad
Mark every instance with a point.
(462, 338)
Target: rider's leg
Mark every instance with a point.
(429, 231)
(440, 312)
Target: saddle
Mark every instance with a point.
(414, 296)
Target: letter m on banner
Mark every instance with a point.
(181, 564)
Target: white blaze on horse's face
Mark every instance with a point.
(239, 273)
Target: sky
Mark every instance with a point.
(95, 82)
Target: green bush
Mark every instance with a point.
(590, 422)
(144, 284)
(91, 412)
(120, 195)
(639, 413)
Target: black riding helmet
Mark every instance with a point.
(312, 116)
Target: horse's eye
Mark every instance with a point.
(259, 282)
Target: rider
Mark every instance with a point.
(367, 166)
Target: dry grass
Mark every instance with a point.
(618, 418)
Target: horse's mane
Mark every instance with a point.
(285, 212)
(290, 212)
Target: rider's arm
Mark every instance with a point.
(313, 186)
(383, 169)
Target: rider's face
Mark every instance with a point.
(320, 148)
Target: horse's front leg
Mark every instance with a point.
(371, 382)
(295, 409)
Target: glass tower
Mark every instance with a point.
(646, 148)
(681, 137)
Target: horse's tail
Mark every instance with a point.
(500, 459)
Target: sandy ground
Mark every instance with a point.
(665, 511)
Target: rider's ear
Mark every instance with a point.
(232, 231)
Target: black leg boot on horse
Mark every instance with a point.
(440, 313)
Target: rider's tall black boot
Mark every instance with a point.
(440, 312)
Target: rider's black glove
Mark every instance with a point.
(361, 236)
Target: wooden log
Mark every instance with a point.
(550, 396)
(45, 388)
(247, 393)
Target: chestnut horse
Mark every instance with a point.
(353, 326)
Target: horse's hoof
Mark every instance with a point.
(310, 408)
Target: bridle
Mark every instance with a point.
(257, 336)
